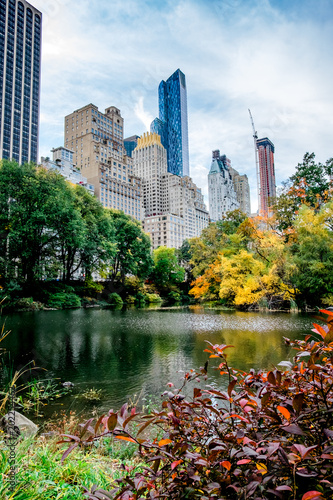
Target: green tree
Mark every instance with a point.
(167, 274)
(32, 201)
(133, 249)
(311, 256)
(311, 185)
(98, 251)
(231, 221)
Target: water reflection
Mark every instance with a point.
(124, 352)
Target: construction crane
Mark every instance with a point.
(255, 138)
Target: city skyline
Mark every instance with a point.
(270, 56)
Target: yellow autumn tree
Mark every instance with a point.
(246, 280)
(207, 286)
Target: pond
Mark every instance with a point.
(132, 354)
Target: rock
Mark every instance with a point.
(68, 384)
(15, 421)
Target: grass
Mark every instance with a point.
(42, 476)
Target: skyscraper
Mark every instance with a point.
(266, 174)
(97, 142)
(221, 189)
(20, 64)
(172, 125)
(174, 206)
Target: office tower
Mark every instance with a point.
(221, 191)
(174, 207)
(130, 143)
(20, 65)
(266, 175)
(242, 190)
(96, 139)
(150, 164)
(172, 124)
(62, 162)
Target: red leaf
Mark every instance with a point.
(302, 450)
(67, 452)
(142, 428)
(284, 412)
(271, 378)
(293, 429)
(98, 423)
(311, 494)
(126, 438)
(175, 464)
(112, 421)
(325, 311)
(243, 461)
(128, 420)
(234, 415)
(320, 330)
(231, 387)
(164, 442)
(226, 465)
(298, 402)
(197, 393)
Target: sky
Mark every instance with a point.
(271, 56)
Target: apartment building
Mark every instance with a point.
(174, 207)
(97, 142)
(62, 162)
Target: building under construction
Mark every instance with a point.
(265, 170)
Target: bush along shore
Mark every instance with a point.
(268, 435)
(53, 295)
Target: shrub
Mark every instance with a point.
(62, 300)
(130, 299)
(115, 299)
(174, 296)
(91, 288)
(152, 298)
(139, 297)
(268, 435)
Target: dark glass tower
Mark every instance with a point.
(20, 64)
(172, 123)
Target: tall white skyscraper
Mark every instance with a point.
(221, 190)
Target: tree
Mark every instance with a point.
(310, 185)
(231, 221)
(167, 274)
(311, 256)
(132, 251)
(99, 244)
(32, 201)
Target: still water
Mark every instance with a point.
(137, 352)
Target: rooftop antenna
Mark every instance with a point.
(255, 138)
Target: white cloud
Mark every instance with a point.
(236, 54)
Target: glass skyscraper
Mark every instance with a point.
(20, 64)
(172, 123)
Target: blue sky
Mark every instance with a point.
(272, 56)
